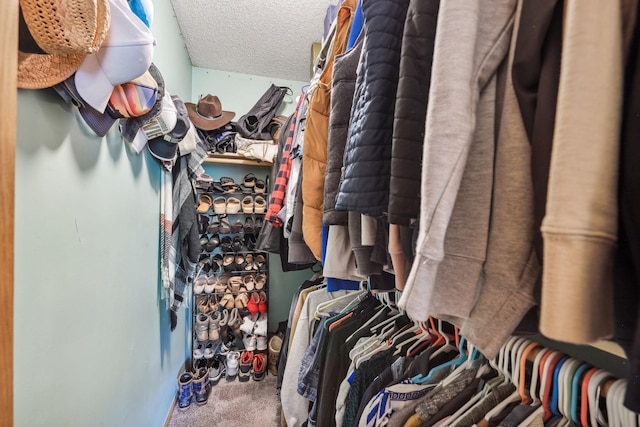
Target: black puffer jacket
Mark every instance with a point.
(411, 109)
(367, 159)
(344, 83)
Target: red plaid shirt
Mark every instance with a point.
(280, 186)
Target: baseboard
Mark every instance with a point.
(168, 417)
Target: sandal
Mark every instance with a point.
(249, 225)
(251, 241)
(227, 301)
(241, 300)
(203, 224)
(259, 224)
(204, 203)
(220, 205)
(247, 205)
(259, 205)
(202, 302)
(236, 227)
(216, 263)
(213, 227)
(225, 226)
(226, 244)
(227, 181)
(203, 243)
(210, 286)
(249, 263)
(260, 187)
(228, 262)
(260, 260)
(234, 283)
(233, 205)
(239, 262)
(261, 280)
(214, 305)
(249, 180)
(249, 282)
(237, 244)
(212, 243)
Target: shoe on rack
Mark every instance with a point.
(199, 284)
(204, 203)
(246, 362)
(249, 279)
(247, 205)
(234, 283)
(262, 305)
(261, 325)
(202, 302)
(233, 362)
(203, 224)
(220, 205)
(198, 350)
(274, 347)
(250, 240)
(260, 187)
(211, 281)
(259, 204)
(241, 300)
(217, 369)
(200, 384)
(212, 243)
(261, 342)
(209, 350)
(233, 205)
(249, 180)
(185, 390)
(259, 367)
(235, 321)
(237, 244)
(227, 301)
(249, 224)
(202, 327)
(253, 305)
(214, 326)
(248, 324)
(249, 342)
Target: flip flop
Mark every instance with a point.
(204, 203)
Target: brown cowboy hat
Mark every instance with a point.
(55, 36)
(208, 113)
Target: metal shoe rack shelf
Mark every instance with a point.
(260, 258)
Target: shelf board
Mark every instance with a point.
(234, 159)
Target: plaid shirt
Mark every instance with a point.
(280, 186)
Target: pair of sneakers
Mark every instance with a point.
(217, 369)
(208, 326)
(252, 364)
(254, 342)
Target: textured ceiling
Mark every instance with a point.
(269, 38)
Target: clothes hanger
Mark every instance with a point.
(612, 403)
(584, 401)
(444, 340)
(525, 397)
(547, 382)
(594, 389)
(327, 304)
(535, 375)
(462, 357)
(565, 381)
(422, 337)
(516, 356)
(576, 391)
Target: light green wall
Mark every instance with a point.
(92, 340)
(238, 93)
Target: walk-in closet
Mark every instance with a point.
(329, 213)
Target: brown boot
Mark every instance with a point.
(275, 343)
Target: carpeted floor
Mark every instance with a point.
(234, 404)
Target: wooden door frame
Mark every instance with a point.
(8, 99)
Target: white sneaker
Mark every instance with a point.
(249, 342)
(261, 343)
(261, 326)
(202, 327)
(233, 360)
(247, 325)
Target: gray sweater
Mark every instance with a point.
(472, 40)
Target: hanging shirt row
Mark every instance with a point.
(442, 150)
(349, 359)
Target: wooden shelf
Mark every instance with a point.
(234, 159)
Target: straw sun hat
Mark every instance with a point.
(55, 36)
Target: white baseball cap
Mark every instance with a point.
(125, 54)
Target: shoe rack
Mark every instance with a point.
(230, 290)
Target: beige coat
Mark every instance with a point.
(580, 226)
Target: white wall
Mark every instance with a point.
(92, 340)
